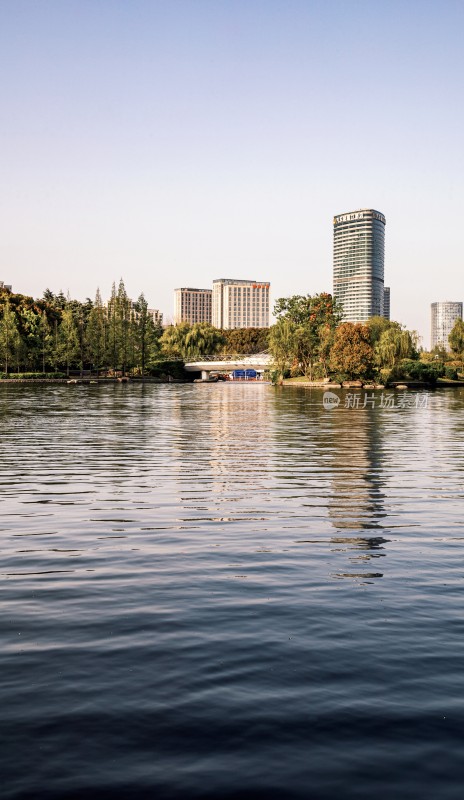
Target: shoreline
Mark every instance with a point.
(358, 385)
(88, 381)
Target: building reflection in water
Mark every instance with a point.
(346, 477)
(356, 503)
(276, 459)
(221, 449)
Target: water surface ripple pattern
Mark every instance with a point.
(230, 592)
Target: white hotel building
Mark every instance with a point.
(240, 304)
(192, 305)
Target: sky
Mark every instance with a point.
(172, 142)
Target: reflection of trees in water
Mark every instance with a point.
(332, 460)
(356, 501)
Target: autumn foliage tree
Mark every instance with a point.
(352, 353)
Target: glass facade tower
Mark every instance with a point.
(444, 315)
(358, 265)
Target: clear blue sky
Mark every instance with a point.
(172, 142)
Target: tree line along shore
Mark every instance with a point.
(54, 337)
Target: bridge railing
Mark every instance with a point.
(226, 357)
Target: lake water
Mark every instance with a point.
(227, 591)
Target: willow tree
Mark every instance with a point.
(191, 341)
(283, 345)
(393, 345)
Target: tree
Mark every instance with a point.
(9, 335)
(378, 325)
(456, 339)
(313, 318)
(326, 341)
(29, 327)
(173, 340)
(68, 340)
(296, 308)
(96, 334)
(352, 353)
(283, 344)
(191, 341)
(113, 330)
(45, 339)
(245, 341)
(393, 345)
(123, 312)
(147, 334)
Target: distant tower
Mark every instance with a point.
(444, 315)
(358, 265)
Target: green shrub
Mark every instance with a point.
(451, 373)
(27, 376)
(172, 369)
(415, 371)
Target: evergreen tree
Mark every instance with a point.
(96, 334)
(68, 340)
(123, 308)
(9, 335)
(46, 339)
(146, 334)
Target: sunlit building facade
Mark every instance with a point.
(240, 304)
(192, 305)
(358, 264)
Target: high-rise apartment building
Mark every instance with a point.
(386, 302)
(192, 305)
(358, 265)
(240, 304)
(444, 315)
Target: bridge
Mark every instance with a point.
(258, 361)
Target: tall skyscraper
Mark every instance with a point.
(358, 265)
(192, 305)
(444, 315)
(240, 304)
